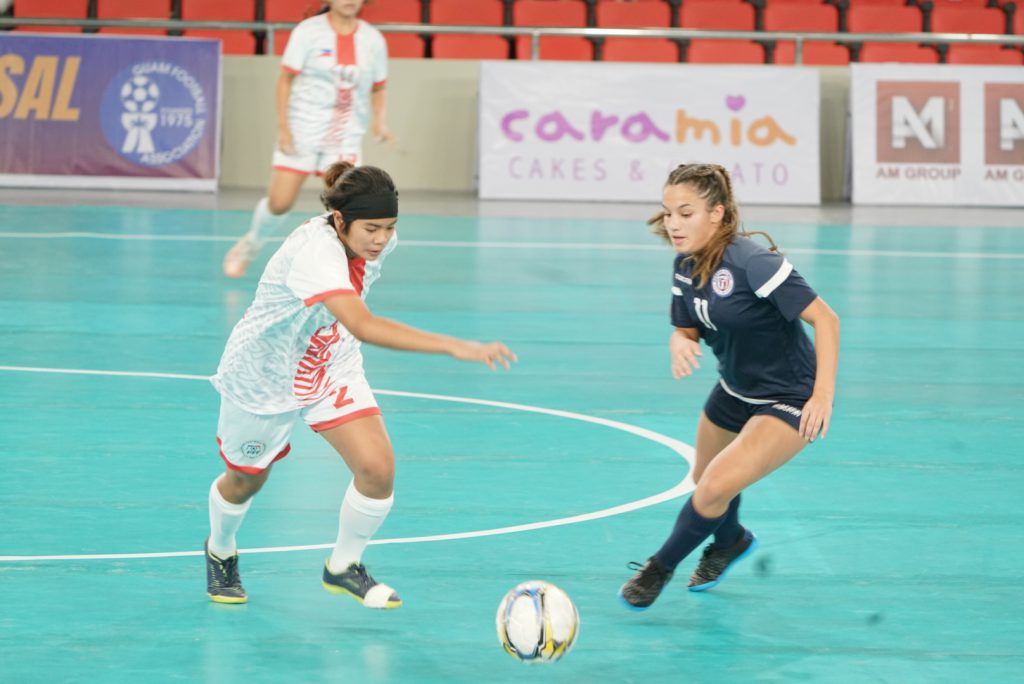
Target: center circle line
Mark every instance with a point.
(680, 489)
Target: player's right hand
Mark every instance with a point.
(683, 352)
(285, 142)
(491, 353)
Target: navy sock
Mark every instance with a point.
(691, 529)
(728, 533)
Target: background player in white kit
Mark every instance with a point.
(775, 387)
(329, 92)
(296, 355)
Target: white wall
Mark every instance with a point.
(432, 109)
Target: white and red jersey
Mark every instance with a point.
(329, 107)
(289, 351)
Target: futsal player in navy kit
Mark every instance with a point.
(775, 390)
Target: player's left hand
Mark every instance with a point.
(491, 353)
(815, 417)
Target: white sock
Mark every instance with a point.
(264, 224)
(225, 519)
(359, 519)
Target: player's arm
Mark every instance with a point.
(285, 142)
(384, 332)
(379, 113)
(684, 348)
(817, 412)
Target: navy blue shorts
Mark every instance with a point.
(730, 413)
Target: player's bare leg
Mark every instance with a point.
(366, 449)
(268, 216)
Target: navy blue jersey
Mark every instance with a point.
(749, 314)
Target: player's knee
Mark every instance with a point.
(242, 486)
(279, 205)
(376, 477)
(713, 495)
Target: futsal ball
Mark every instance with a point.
(139, 95)
(537, 622)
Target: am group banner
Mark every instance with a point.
(944, 135)
(109, 112)
(613, 131)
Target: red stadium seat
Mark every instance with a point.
(289, 10)
(720, 16)
(960, 3)
(877, 19)
(392, 11)
(966, 53)
(280, 41)
(639, 50)
(283, 11)
(396, 12)
(133, 9)
(454, 46)
(815, 54)
(614, 14)
(1018, 21)
(215, 10)
(461, 12)
(407, 45)
(234, 42)
(714, 15)
(898, 52)
(571, 13)
(884, 19)
(955, 19)
(791, 16)
(878, 3)
(56, 9)
(724, 52)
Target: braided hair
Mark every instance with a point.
(711, 182)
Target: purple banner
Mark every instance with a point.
(121, 112)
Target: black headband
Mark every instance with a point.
(370, 206)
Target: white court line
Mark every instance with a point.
(492, 244)
(681, 448)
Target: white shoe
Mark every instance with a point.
(238, 258)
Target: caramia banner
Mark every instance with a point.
(613, 131)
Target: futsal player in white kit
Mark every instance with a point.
(295, 356)
(330, 91)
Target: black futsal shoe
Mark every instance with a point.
(356, 582)
(715, 562)
(645, 586)
(223, 584)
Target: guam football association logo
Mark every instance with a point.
(154, 113)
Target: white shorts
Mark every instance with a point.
(310, 161)
(250, 442)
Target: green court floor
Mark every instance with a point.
(890, 552)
